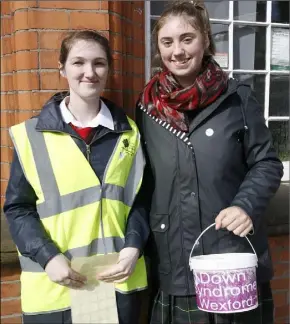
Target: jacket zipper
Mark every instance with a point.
(88, 152)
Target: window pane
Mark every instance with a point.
(157, 7)
(280, 49)
(220, 34)
(250, 10)
(249, 47)
(218, 9)
(280, 135)
(279, 95)
(257, 83)
(280, 11)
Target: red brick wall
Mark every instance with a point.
(280, 284)
(31, 33)
(10, 294)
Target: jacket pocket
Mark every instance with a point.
(160, 225)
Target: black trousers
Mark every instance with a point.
(128, 305)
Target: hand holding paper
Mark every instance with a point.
(59, 271)
(122, 270)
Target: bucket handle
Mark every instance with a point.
(197, 242)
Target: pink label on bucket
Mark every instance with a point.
(227, 291)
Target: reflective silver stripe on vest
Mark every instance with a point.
(42, 160)
(134, 178)
(113, 192)
(113, 244)
(127, 194)
(54, 203)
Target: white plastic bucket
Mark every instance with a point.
(225, 283)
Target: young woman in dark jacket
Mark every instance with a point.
(211, 161)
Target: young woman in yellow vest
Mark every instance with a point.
(75, 190)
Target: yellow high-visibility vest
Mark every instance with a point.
(81, 215)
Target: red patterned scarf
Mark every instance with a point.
(164, 98)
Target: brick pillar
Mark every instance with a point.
(126, 34)
(10, 293)
(30, 39)
(279, 247)
(31, 33)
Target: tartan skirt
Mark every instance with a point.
(168, 309)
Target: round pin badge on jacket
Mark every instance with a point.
(209, 132)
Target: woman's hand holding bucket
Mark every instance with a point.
(234, 219)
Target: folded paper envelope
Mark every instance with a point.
(96, 302)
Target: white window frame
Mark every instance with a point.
(230, 22)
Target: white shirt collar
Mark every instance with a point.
(103, 118)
